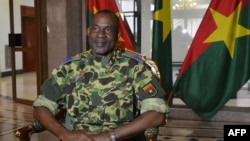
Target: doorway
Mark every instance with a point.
(25, 56)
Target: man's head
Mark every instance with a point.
(103, 32)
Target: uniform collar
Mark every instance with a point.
(106, 60)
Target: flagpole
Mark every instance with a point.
(120, 9)
(170, 97)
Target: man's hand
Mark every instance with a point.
(85, 136)
(77, 136)
(101, 137)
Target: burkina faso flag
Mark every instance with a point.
(217, 64)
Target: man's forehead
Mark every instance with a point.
(103, 18)
(102, 22)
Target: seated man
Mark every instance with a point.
(108, 95)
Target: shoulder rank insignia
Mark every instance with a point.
(150, 89)
(72, 58)
(134, 55)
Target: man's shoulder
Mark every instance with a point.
(134, 55)
(142, 59)
(76, 57)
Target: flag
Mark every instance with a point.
(125, 40)
(217, 64)
(161, 46)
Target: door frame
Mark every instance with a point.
(42, 61)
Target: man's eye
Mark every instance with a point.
(108, 30)
(95, 29)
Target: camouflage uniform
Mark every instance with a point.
(100, 94)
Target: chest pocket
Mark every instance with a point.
(118, 107)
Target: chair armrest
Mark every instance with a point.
(151, 137)
(24, 133)
(151, 134)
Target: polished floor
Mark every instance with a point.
(178, 128)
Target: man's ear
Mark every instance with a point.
(119, 35)
(88, 31)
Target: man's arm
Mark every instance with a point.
(147, 120)
(140, 124)
(47, 119)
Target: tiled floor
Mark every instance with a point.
(25, 86)
(15, 115)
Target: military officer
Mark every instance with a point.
(107, 92)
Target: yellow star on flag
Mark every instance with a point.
(163, 16)
(228, 29)
(96, 10)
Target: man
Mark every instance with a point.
(104, 90)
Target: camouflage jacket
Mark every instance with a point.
(100, 94)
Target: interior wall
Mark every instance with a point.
(64, 30)
(5, 29)
(146, 33)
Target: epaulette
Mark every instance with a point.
(134, 55)
(72, 58)
(144, 60)
(76, 57)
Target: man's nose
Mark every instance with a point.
(101, 33)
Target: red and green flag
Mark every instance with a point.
(217, 64)
(125, 39)
(161, 46)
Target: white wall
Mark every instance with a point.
(146, 25)
(5, 29)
